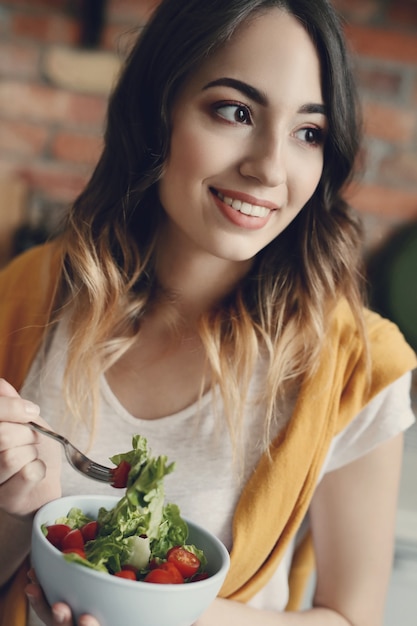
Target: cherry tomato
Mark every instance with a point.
(73, 539)
(78, 551)
(161, 577)
(130, 568)
(177, 577)
(126, 573)
(56, 533)
(120, 474)
(89, 531)
(184, 560)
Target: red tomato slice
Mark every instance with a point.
(89, 531)
(177, 577)
(184, 560)
(126, 573)
(56, 533)
(161, 577)
(73, 539)
(120, 474)
(78, 551)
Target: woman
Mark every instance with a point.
(205, 293)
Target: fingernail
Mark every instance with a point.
(59, 615)
(31, 408)
(29, 595)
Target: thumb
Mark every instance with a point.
(7, 390)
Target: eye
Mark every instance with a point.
(235, 113)
(311, 136)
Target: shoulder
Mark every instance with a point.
(365, 370)
(385, 340)
(27, 290)
(389, 413)
(32, 273)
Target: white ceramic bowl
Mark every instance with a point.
(116, 601)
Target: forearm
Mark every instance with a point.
(15, 536)
(226, 612)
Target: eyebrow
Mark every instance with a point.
(252, 93)
(259, 96)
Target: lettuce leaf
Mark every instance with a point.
(74, 519)
(141, 511)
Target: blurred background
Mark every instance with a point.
(58, 61)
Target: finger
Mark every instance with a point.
(19, 459)
(59, 614)
(6, 389)
(20, 494)
(14, 435)
(87, 620)
(14, 409)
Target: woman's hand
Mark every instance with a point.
(57, 615)
(30, 465)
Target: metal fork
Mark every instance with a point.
(77, 459)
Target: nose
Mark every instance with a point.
(264, 161)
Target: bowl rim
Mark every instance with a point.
(152, 588)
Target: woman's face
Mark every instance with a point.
(246, 150)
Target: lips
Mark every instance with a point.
(243, 205)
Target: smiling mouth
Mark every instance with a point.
(253, 210)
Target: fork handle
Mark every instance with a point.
(48, 433)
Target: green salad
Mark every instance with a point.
(141, 537)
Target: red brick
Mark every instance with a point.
(401, 167)
(56, 28)
(19, 60)
(21, 138)
(133, 11)
(57, 181)
(87, 110)
(32, 101)
(388, 122)
(358, 10)
(383, 43)
(379, 81)
(384, 201)
(76, 148)
(403, 12)
(35, 102)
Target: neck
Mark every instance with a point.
(195, 280)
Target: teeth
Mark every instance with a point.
(253, 210)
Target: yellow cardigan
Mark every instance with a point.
(326, 404)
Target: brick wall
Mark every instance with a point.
(383, 38)
(53, 98)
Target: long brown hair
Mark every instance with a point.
(282, 306)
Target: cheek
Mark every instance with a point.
(311, 176)
(184, 170)
(187, 153)
(195, 154)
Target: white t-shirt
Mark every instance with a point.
(206, 484)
